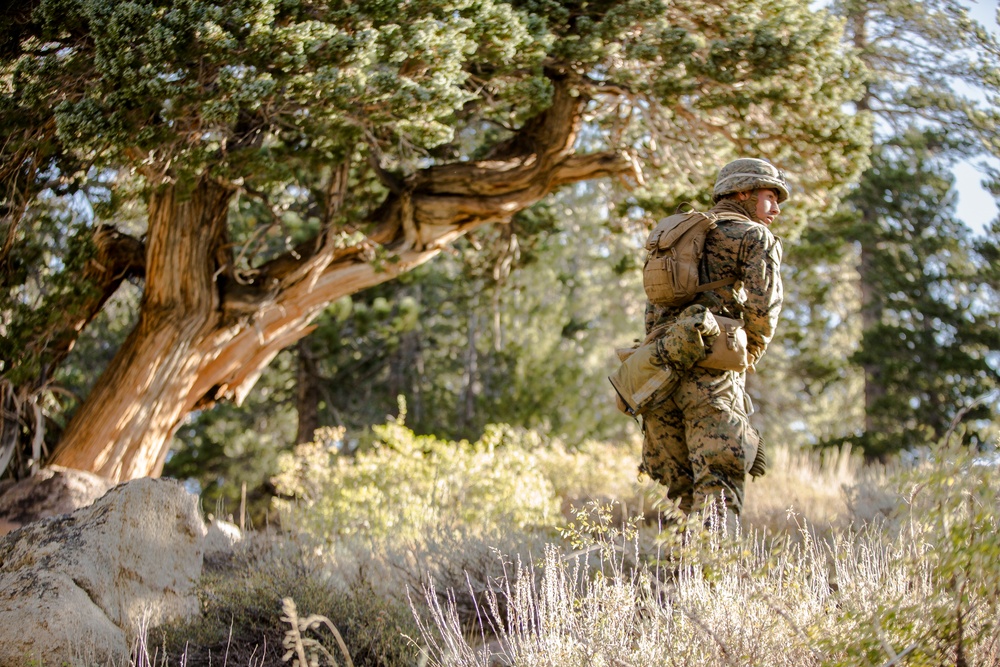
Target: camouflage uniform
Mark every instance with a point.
(699, 442)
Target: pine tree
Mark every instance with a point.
(923, 347)
(931, 343)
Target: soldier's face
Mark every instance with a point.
(767, 205)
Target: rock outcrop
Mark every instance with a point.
(74, 588)
(53, 491)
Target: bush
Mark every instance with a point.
(403, 485)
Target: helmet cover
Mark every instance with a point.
(748, 173)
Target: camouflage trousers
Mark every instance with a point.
(699, 442)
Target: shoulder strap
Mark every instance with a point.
(732, 217)
(666, 233)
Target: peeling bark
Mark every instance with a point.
(123, 428)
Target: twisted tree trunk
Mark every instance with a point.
(121, 429)
(201, 337)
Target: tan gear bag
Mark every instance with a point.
(673, 255)
(640, 383)
(729, 351)
(645, 378)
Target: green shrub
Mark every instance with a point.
(404, 484)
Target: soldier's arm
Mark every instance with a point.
(761, 254)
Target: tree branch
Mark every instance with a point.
(118, 257)
(438, 205)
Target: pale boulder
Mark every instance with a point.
(221, 540)
(74, 588)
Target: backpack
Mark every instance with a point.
(674, 251)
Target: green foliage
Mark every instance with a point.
(889, 328)
(929, 66)
(196, 84)
(44, 288)
(929, 333)
(192, 76)
(403, 484)
(47, 295)
(258, 90)
(888, 336)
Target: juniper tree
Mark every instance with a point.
(283, 153)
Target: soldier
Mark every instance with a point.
(699, 442)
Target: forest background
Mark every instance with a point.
(888, 338)
(357, 270)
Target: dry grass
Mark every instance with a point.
(916, 585)
(836, 563)
(829, 490)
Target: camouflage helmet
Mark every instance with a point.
(749, 173)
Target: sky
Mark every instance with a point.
(976, 207)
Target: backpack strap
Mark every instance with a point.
(716, 283)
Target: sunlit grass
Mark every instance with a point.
(835, 563)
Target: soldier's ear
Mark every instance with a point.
(742, 196)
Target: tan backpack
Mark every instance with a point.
(674, 250)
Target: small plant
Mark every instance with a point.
(305, 651)
(243, 622)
